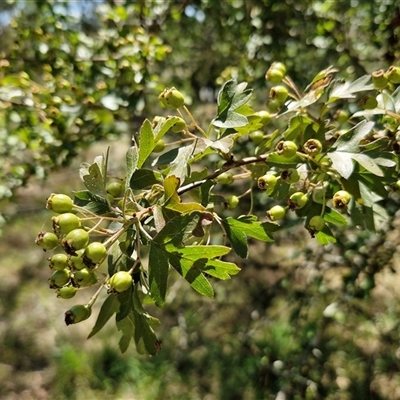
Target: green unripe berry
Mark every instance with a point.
(59, 203)
(115, 189)
(279, 93)
(393, 74)
(76, 240)
(77, 314)
(368, 102)
(276, 73)
(297, 200)
(232, 201)
(159, 147)
(312, 147)
(76, 262)
(316, 223)
(47, 240)
(84, 277)
(179, 125)
(274, 105)
(226, 178)
(279, 66)
(286, 148)
(65, 223)
(59, 278)
(256, 137)
(265, 117)
(66, 292)
(379, 79)
(290, 176)
(267, 181)
(120, 282)
(341, 199)
(342, 116)
(58, 261)
(172, 98)
(276, 213)
(95, 252)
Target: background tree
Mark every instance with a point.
(304, 322)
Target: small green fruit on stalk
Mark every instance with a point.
(171, 98)
(47, 240)
(276, 213)
(120, 282)
(59, 203)
(77, 314)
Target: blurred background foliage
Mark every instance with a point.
(300, 321)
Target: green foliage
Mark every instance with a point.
(66, 83)
(170, 215)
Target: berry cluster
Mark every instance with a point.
(77, 267)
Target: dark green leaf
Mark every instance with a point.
(143, 178)
(126, 305)
(237, 231)
(109, 307)
(158, 273)
(127, 327)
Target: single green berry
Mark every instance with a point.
(66, 292)
(276, 73)
(77, 314)
(265, 117)
(76, 261)
(279, 66)
(65, 223)
(120, 282)
(379, 79)
(115, 189)
(256, 137)
(75, 240)
(226, 178)
(393, 74)
(58, 261)
(172, 98)
(47, 240)
(290, 176)
(84, 277)
(159, 147)
(316, 223)
(95, 252)
(396, 186)
(368, 102)
(342, 116)
(274, 105)
(297, 200)
(59, 203)
(279, 93)
(179, 125)
(341, 199)
(276, 213)
(312, 147)
(267, 181)
(232, 201)
(286, 148)
(59, 278)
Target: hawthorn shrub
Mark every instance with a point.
(326, 157)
